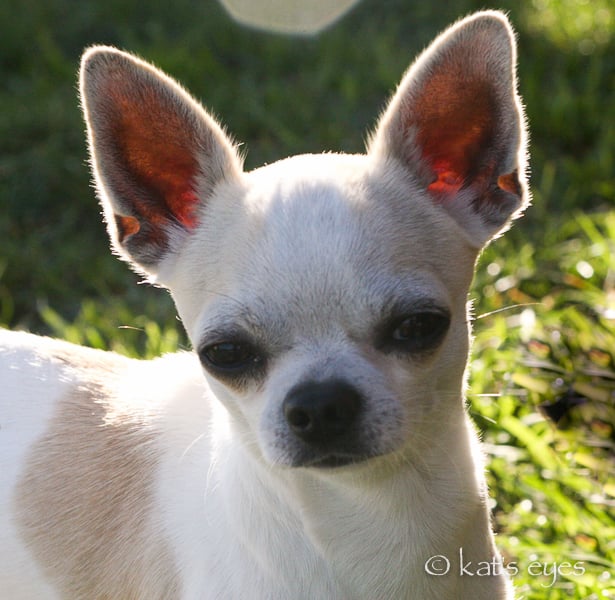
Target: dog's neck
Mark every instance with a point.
(340, 519)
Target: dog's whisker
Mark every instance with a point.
(506, 309)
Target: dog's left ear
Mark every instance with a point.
(457, 124)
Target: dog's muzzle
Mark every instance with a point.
(324, 418)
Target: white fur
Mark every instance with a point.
(163, 479)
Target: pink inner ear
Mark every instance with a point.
(160, 159)
(455, 120)
(447, 181)
(186, 203)
(158, 155)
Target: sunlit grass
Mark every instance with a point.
(543, 390)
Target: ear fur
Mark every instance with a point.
(155, 154)
(456, 122)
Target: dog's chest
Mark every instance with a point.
(239, 532)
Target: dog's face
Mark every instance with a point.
(326, 308)
(324, 294)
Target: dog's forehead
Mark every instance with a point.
(311, 186)
(302, 206)
(327, 213)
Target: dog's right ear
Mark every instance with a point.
(156, 155)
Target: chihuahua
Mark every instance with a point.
(316, 443)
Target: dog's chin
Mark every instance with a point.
(323, 459)
(334, 460)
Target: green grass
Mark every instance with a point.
(545, 293)
(545, 345)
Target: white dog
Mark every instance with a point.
(321, 449)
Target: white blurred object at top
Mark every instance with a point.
(299, 17)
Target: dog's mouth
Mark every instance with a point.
(332, 461)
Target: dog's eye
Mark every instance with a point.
(419, 332)
(230, 357)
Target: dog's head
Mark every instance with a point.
(325, 294)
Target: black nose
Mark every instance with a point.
(320, 412)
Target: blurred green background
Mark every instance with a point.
(543, 373)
